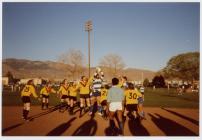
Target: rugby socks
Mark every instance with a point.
(42, 106)
(23, 113)
(105, 113)
(91, 108)
(111, 124)
(71, 110)
(99, 108)
(121, 127)
(81, 109)
(142, 114)
(26, 114)
(47, 105)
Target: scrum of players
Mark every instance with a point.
(119, 97)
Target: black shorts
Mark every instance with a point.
(26, 99)
(64, 97)
(45, 96)
(72, 98)
(131, 107)
(140, 100)
(104, 103)
(96, 94)
(84, 96)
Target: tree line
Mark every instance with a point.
(183, 66)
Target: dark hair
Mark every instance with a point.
(130, 86)
(48, 82)
(106, 86)
(29, 82)
(115, 81)
(124, 77)
(82, 77)
(96, 75)
(63, 82)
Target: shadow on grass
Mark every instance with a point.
(31, 118)
(182, 116)
(88, 128)
(11, 127)
(115, 131)
(169, 127)
(61, 128)
(136, 128)
(50, 110)
(110, 132)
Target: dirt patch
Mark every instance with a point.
(159, 122)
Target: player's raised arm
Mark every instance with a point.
(33, 91)
(53, 91)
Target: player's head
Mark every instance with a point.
(84, 79)
(115, 81)
(30, 82)
(65, 82)
(74, 83)
(130, 86)
(124, 78)
(98, 69)
(48, 83)
(96, 76)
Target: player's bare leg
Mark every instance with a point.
(62, 105)
(99, 105)
(92, 99)
(47, 103)
(27, 109)
(119, 115)
(81, 106)
(24, 110)
(43, 103)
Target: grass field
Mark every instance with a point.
(153, 98)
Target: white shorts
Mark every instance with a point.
(114, 106)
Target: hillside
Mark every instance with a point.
(22, 68)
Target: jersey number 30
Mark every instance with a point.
(132, 95)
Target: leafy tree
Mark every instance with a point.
(158, 81)
(146, 82)
(184, 66)
(10, 77)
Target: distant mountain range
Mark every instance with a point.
(21, 68)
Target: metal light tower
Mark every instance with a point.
(89, 27)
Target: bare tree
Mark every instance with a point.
(113, 62)
(75, 59)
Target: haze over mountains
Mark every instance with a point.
(21, 68)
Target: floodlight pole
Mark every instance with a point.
(88, 27)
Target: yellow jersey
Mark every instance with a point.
(29, 90)
(132, 96)
(64, 90)
(72, 91)
(120, 84)
(85, 88)
(104, 93)
(46, 91)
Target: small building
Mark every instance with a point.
(4, 81)
(37, 81)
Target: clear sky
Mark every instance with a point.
(145, 35)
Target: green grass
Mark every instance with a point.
(169, 98)
(153, 98)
